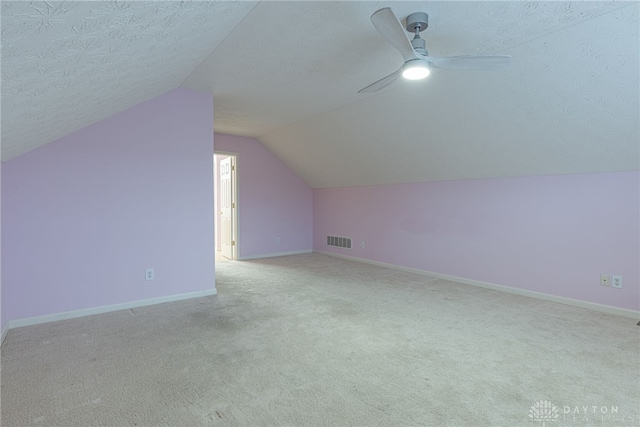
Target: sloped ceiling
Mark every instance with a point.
(288, 73)
(66, 65)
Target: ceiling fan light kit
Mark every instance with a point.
(417, 69)
(417, 62)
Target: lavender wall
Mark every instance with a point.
(84, 216)
(273, 201)
(550, 234)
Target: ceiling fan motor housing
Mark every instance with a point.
(419, 46)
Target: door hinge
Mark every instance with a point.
(233, 243)
(233, 167)
(233, 205)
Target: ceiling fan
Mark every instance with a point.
(417, 61)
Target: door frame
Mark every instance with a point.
(235, 227)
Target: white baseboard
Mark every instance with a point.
(533, 294)
(103, 309)
(274, 254)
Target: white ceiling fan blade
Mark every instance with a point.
(470, 62)
(388, 25)
(382, 83)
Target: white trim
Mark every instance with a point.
(533, 294)
(235, 189)
(275, 254)
(105, 309)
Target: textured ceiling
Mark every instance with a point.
(569, 103)
(66, 65)
(288, 73)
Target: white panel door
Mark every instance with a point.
(226, 207)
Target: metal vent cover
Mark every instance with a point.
(339, 242)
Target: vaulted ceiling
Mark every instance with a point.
(288, 74)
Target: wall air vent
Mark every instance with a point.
(339, 242)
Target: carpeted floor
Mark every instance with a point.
(314, 340)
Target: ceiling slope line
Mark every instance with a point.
(221, 42)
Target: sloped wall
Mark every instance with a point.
(273, 201)
(550, 234)
(84, 216)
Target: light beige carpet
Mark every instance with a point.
(314, 340)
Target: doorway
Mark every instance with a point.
(225, 184)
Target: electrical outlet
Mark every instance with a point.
(362, 244)
(616, 281)
(605, 280)
(277, 240)
(150, 274)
